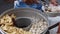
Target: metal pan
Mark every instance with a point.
(28, 13)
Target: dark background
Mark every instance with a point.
(5, 6)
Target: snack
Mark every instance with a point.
(6, 24)
(38, 28)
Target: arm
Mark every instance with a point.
(58, 32)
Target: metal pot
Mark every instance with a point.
(33, 14)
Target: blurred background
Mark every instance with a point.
(5, 5)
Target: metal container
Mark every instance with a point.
(33, 14)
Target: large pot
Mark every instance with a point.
(29, 13)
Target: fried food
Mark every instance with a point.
(6, 24)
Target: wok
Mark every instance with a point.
(33, 14)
